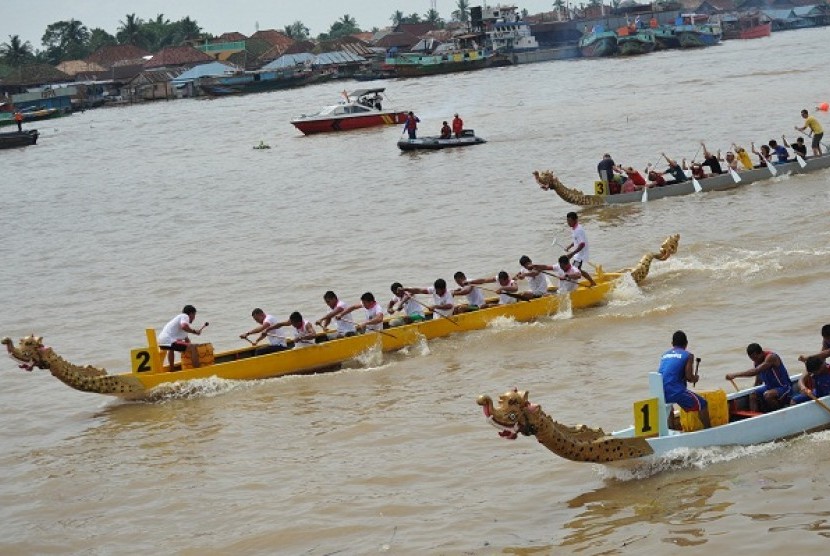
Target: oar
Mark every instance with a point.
(735, 177)
(770, 167)
(696, 185)
(425, 306)
(372, 330)
(800, 161)
(558, 278)
(818, 401)
(732, 380)
(508, 294)
(697, 370)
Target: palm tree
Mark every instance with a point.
(188, 29)
(432, 16)
(297, 31)
(413, 18)
(462, 13)
(131, 31)
(66, 40)
(15, 52)
(397, 18)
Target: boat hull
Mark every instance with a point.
(436, 143)
(598, 46)
(697, 39)
(634, 45)
(12, 139)
(754, 32)
(720, 182)
(345, 123)
(411, 65)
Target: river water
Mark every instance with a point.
(118, 217)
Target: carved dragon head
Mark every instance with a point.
(510, 416)
(29, 353)
(547, 180)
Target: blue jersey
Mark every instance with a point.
(775, 377)
(673, 369)
(821, 384)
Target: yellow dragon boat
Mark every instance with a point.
(149, 372)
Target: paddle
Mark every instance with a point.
(822, 143)
(697, 370)
(371, 330)
(732, 380)
(508, 294)
(425, 306)
(818, 401)
(696, 185)
(800, 161)
(559, 278)
(770, 167)
(735, 177)
(644, 198)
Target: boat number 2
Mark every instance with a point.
(645, 417)
(141, 361)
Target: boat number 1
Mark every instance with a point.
(140, 359)
(645, 417)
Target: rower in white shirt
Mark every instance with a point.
(344, 327)
(374, 313)
(475, 299)
(443, 303)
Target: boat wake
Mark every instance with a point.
(197, 388)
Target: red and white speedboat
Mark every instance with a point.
(362, 108)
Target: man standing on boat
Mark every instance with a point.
(677, 369)
(577, 251)
(815, 129)
(174, 338)
(605, 168)
(18, 118)
(411, 124)
(457, 126)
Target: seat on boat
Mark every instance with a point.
(205, 352)
(718, 411)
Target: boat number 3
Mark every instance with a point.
(599, 188)
(141, 361)
(645, 417)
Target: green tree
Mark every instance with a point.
(131, 31)
(159, 33)
(462, 13)
(297, 31)
(397, 18)
(343, 27)
(15, 53)
(432, 16)
(98, 38)
(65, 40)
(188, 29)
(413, 18)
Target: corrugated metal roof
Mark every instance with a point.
(340, 57)
(204, 70)
(289, 60)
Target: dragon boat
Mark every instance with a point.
(148, 370)
(720, 182)
(650, 439)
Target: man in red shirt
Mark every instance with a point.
(457, 126)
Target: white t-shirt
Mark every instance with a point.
(505, 299)
(538, 284)
(173, 330)
(445, 299)
(578, 236)
(277, 336)
(343, 326)
(373, 312)
(410, 306)
(475, 297)
(300, 331)
(567, 280)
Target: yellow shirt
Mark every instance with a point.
(743, 156)
(813, 124)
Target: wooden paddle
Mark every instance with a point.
(425, 306)
(734, 384)
(372, 329)
(508, 294)
(697, 370)
(818, 401)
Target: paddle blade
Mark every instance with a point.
(772, 169)
(800, 161)
(644, 198)
(735, 177)
(697, 186)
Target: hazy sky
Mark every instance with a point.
(29, 18)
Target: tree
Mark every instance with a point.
(432, 16)
(462, 14)
(15, 53)
(397, 18)
(98, 38)
(343, 27)
(159, 32)
(65, 40)
(297, 31)
(131, 31)
(413, 18)
(188, 29)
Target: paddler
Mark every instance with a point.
(567, 274)
(174, 337)
(577, 251)
(776, 389)
(677, 370)
(507, 290)
(405, 302)
(816, 131)
(536, 279)
(442, 302)
(268, 326)
(374, 313)
(337, 307)
(475, 299)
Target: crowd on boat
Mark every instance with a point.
(774, 389)
(626, 179)
(403, 308)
